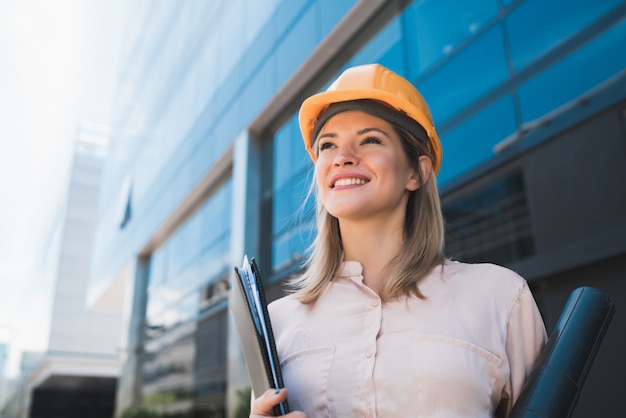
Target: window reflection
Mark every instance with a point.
(289, 200)
(186, 312)
(385, 48)
(434, 32)
(467, 76)
(558, 21)
(179, 298)
(473, 142)
(291, 210)
(574, 75)
(290, 246)
(289, 155)
(194, 255)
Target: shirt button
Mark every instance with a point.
(375, 302)
(369, 353)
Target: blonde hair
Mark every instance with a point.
(423, 234)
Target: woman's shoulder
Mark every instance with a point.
(286, 312)
(485, 287)
(481, 270)
(286, 303)
(484, 276)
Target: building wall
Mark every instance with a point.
(83, 339)
(579, 228)
(74, 327)
(207, 162)
(571, 184)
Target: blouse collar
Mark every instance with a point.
(352, 270)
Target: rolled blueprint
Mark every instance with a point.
(552, 389)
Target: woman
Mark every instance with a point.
(380, 323)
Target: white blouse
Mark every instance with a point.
(464, 351)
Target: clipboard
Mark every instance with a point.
(249, 308)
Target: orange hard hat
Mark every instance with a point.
(373, 82)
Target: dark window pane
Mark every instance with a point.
(491, 224)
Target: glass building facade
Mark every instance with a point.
(207, 162)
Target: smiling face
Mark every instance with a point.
(362, 171)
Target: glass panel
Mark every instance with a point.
(289, 154)
(157, 268)
(210, 360)
(292, 245)
(472, 143)
(433, 32)
(478, 68)
(558, 20)
(574, 75)
(297, 43)
(194, 255)
(291, 183)
(333, 11)
(289, 202)
(380, 45)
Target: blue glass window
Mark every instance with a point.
(475, 70)
(157, 268)
(387, 40)
(192, 257)
(291, 182)
(574, 75)
(557, 21)
(295, 46)
(435, 28)
(292, 244)
(333, 11)
(473, 142)
(290, 156)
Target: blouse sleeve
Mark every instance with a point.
(526, 337)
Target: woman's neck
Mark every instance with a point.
(373, 244)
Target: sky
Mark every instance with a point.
(59, 62)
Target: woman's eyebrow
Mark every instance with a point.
(359, 132)
(325, 135)
(366, 130)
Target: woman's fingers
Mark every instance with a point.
(263, 406)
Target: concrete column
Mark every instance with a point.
(244, 240)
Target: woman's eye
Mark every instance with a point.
(325, 145)
(371, 140)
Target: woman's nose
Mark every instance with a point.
(345, 156)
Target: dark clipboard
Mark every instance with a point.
(249, 308)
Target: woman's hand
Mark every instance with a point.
(263, 406)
